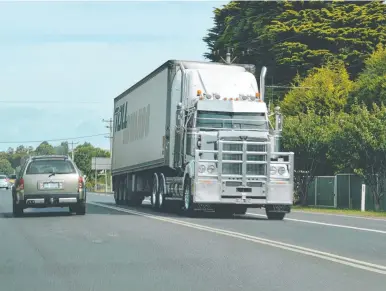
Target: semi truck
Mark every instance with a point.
(198, 136)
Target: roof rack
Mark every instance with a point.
(65, 157)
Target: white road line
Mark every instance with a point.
(339, 215)
(289, 247)
(326, 224)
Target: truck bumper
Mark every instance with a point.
(211, 191)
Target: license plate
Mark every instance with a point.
(51, 185)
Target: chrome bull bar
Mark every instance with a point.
(244, 162)
(244, 176)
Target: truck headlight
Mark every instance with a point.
(201, 169)
(211, 169)
(281, 170)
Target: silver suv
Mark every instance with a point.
(49, 181)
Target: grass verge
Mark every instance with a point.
(380, 214)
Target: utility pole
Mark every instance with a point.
(110, 137)
(72, 149)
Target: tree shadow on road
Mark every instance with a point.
(62, 212)
(36, 214)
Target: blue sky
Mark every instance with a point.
(80, 55)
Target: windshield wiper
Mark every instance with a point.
(52, 174)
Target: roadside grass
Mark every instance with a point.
(380, 214)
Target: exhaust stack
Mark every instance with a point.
(262, 82)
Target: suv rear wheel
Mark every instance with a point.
(79, 209)
(17, 210)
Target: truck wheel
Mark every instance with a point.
(274, 215)
(154, 192)
(187, 203)
(161, 192)
(17, 210)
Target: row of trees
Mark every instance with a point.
(339, 125)
(10, 159)
(333, 56)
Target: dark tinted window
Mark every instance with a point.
(12, 176)
(50, 166)
(238, 120)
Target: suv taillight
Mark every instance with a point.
(21, 184)
(80, 182)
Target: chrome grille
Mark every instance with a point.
(253, 153)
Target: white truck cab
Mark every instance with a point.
(218, 152)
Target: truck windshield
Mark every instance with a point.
(235, 120)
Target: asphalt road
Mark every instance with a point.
(121, 248)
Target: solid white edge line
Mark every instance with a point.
(325, 223)
(339, 215)
(299, 211)
(315, 253)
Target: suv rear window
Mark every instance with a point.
(2, 177)
(12, 176)
(50, 166)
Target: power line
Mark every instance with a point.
(289, 87)
(50, 140)
(50, 102)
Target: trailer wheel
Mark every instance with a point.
(135, 201)
(187, 206)
(154, 192)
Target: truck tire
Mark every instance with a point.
(161, 192)
(187, 201)
(154, 192)
(274, 215)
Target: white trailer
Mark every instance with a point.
(197, 135)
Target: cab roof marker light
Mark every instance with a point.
(243, 96)
(216, 95)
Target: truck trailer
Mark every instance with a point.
(197, 135)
